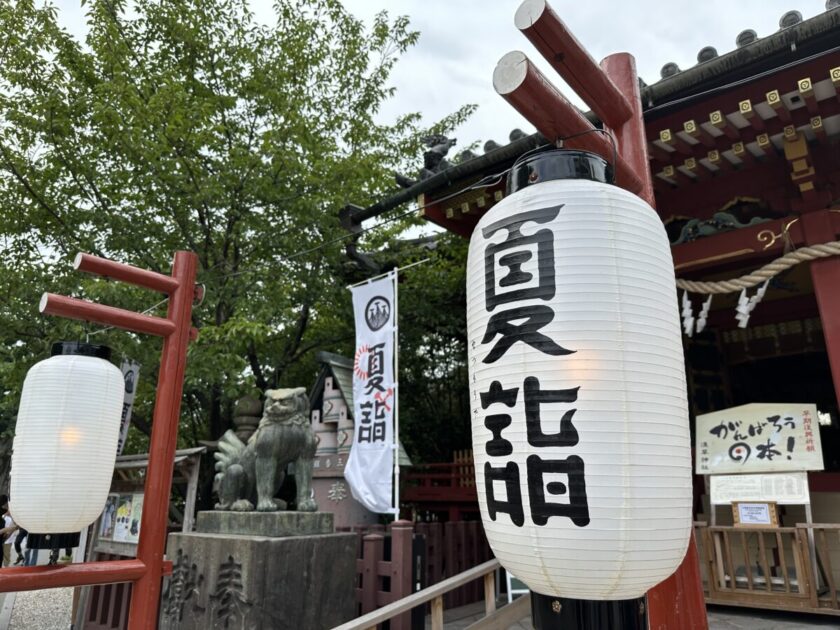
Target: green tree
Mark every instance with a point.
(190, 125)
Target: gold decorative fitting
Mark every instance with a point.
(816, 122)
(835, 75)
(498, 195)
(714, 156)
(774, 99)
(768, 237)
(762, 139)
(738, 148)
(790, 132)
(716, 118)
(691, 164)
(805, 87)
(690, 127)
(665, 136)
(745, 107)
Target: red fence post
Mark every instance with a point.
(402, 534)
(372, 546)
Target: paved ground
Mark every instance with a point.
(720, 618)
(50, 610)
(37, 610)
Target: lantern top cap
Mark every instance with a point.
(78, 348)
(552, 164)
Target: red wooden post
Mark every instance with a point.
(145, 596)
(149, 567)
(678, 602)
(825, 274)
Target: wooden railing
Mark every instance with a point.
(784, 568)
(451, 548)
(826, 585)
(435, 595)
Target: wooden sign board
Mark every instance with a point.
(759, 438)
(755, 514)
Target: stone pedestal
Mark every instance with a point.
(270, 578)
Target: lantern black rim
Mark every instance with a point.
(80, 348)
(554, 164)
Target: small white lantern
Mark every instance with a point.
(578, 395)
(65, 441)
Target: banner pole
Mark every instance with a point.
(397, 398)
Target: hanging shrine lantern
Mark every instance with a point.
(65, 443)
(577, 383)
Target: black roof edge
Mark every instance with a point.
(352, 216)
(733, 66)
(741, 63)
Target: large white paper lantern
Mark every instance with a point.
(579, 410)
(65, 443)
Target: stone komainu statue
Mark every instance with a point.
(254, 472)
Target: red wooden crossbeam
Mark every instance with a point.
(63, 575)
(126, 273)
(549, 35)
(522, 85)
(146, 571)
(72, 308)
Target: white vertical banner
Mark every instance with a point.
(370, 465)
(131, 373)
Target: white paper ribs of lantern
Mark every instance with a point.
(578, 394)
(65, 443)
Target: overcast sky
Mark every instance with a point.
(461, 41)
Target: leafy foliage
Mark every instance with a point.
(190, 125)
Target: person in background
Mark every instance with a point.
(21, 535)
(9, 531)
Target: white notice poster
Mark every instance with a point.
(370, 465)
(782, 488)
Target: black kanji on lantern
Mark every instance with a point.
(498, 446)
(516, 250)
(512, 506)
(534, 397)
(520, 323)
(577, 509)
